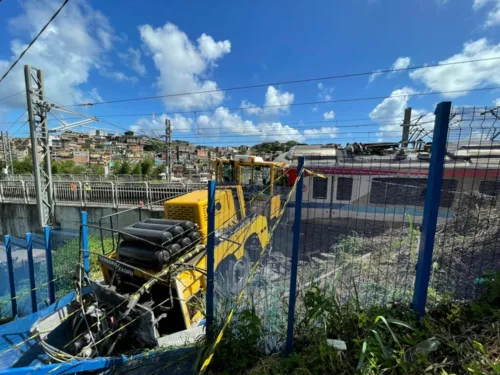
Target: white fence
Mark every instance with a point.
(99, 193)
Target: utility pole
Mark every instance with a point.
(4, 151)
(39, 134)
(168, 151)
(406, 128)
(9, 149)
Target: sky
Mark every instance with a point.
(111, 50)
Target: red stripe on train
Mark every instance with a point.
(450, 173)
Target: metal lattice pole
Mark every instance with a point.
(9, 149)
(39, 134)
(168, 153)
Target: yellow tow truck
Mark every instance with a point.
(160, 264)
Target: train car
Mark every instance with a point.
(381, 182)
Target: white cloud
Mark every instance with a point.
(183, 66)
(118, 76)
(463, 76)
(324, 131)
(274, 97)
(329, 115)
(220, 123)
(393, 106)
(497, 102)
(315, 108)
(155, 125)
(493, 17)
(132, 58)
(401, 63)
(325, 93)
(374, 76)
(391, 112)
(212, 50)
(278, 132)
(278, 98)
(67, 51)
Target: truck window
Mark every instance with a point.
(227, 173)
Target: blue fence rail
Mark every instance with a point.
(39, 269)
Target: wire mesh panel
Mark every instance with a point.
(467, 241)
(162, 191)
(361, 208)
(253, 255)
(12, 191)
(98, 193)
(65, 258)
(131, 193)
(68, 192)
(5, 298)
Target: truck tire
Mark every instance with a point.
(253, 248)
(231, 275)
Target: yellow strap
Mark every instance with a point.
(206, 363)
(316, 174)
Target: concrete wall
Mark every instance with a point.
(19, 219)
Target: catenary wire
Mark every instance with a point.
(349, 75)
(347, 100)
(12, 95)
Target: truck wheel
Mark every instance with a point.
(253, 248)
(231, 275)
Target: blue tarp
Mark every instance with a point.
(29, 357)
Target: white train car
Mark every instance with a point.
(379, 182)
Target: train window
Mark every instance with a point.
(398, 191)
(344, 188)
(408, 191)
(489, 187)
(320, 186)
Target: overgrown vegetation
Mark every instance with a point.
(67, 257)
(339, 337)
(272, 147)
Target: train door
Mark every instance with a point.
(342, 194)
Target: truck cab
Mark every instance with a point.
(257, 179)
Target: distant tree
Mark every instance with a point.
(23, 166)
(157, 171)
(147, 166)
(97, 169)
(125, 168)
(129, 133)
(137, 169)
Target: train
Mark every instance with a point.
(383, 182)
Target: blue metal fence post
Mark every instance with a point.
(31, 269)
(85, 243)
(10, 269)
(431, 207)
(50, 265)
(295, 257)
(210, 259)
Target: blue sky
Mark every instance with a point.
(108, 50)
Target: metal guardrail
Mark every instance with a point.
(99, 193)
(90, 178)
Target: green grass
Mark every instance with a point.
(67, 257)
(453, 338)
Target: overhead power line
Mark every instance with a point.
(34, 40)
(195, 112)
(10, 96)
(349, 75)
